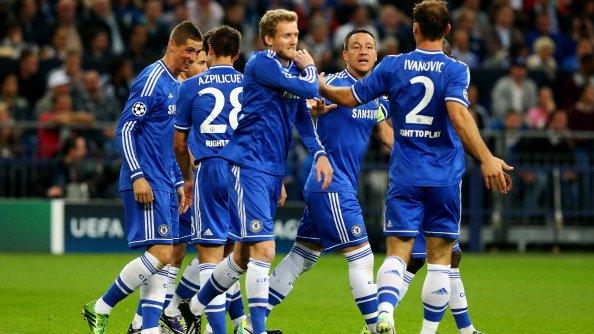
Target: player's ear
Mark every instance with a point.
(448, 29)
(345, 55)
(268, 40)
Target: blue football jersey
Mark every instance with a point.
(273, 101)
(345, 133)
(145, 129)
(427, 150)
(209, 105)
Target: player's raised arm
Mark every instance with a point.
(341, 95)
(304, 85)
(493, 169)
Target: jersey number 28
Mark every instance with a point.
(207, 126)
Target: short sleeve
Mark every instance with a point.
(457, 88)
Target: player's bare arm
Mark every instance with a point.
(493, 169)
(340, 95)
(384, 133)
(182, 155)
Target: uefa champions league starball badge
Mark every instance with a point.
(139, 109)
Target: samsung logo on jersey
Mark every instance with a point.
(364, 113)
(220, 78)
(417, 65)
(290, 96)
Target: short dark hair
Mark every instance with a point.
(184, 31)
(433, 17)
(224, 40)
(356, 31)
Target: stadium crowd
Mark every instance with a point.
(66, 66)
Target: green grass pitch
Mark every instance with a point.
(508, 293)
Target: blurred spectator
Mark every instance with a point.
(502, 35)
(554, 149)
(128, 13)
(157, 30)
(513, 91)
(359, 18)
(581, 116)
(538, 116)
(474, 6)
(138, 51)
(120, 74)
(318, 43)
(393, 23)
(99, 102)
(73, 68)
(57, 83)
(461, 49)
(13, 44)
(55, 53)
(235, 18)
(66, 17)
(388, 46)
(542, 59)
(33, 23)
(55, 122)
(512, 123)
(101, 17)
(98, 55)
(67, 176)
(584, 47)
(543, 28)
(31, 84)
(480, 114)
(17, 107)
(467, 22)
(205, 14)
(572, 86)
(9, 136)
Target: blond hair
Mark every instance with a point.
(270, 20)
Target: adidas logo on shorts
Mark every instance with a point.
(207, 233)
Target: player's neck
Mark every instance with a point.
(169, 61)
(430, 45)
(356, 74)
(222, 61)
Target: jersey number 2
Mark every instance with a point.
(413, 116)
(207, 126)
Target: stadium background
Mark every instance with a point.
(65, 69)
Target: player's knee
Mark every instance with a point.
(414, 265)
(456, 258)
(263, 252)
(163, 253)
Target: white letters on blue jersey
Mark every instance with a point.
(427, 150)
(145, 129)
(345, 133)
(210, 105)
(273, 100)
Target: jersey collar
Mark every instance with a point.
(220, 66)
(428, 52)
(166, 69)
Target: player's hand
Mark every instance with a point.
(143, 192)
(494, 173)
(189, 192)
(181, 200)
(283, 196)
(303, 59)
(319, 107)
(324, 170)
